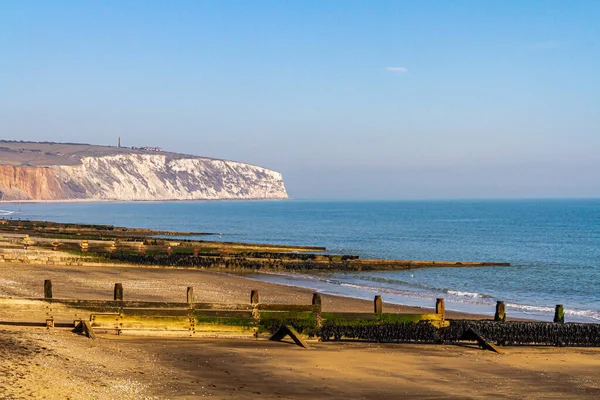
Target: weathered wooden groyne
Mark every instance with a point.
(253, 319)
(117, 245)
(285, 262)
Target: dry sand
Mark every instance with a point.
(55, 363)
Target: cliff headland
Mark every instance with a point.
(65, 171)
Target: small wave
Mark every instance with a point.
(526, 307)
(6, 212)
(468, 294)
(592, 314)
(595, 315)
(390, 281)
(413, 284)
(429, 287)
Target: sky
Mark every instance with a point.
(347, 99)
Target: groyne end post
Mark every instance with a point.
(440, 307)
(378, 305)
(47, 289)
(118, 293)
(190, 295)
(500, 314)
(559, 314)
(316, 301)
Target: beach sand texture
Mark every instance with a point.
(56, 364)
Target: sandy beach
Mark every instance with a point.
(55, 363)
(170, 284)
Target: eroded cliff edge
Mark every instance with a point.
(141, 177)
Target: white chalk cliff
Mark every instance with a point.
(142, 177)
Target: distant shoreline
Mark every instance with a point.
(133, 201)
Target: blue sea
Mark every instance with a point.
(553, 245)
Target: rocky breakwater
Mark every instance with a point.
(141, 177)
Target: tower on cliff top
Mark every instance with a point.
(119, 145)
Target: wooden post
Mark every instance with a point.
(47, 289)
(440, 307)
(190, 295)
(316, 301)
(500, 312)
(118, 292)
(378, 305)
(559, 314)
(254, 300)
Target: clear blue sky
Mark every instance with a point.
(350, 99)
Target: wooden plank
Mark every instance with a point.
(116, 304)
(287, 314)
(150, 304)
(349, 315)
(36, 324)
(288, 330)
(415, 317)
(108, 321)
(181, 333)
(154, 322)
(222, 314)
(23, 323)
(223, 328)
(101, 309)
(288, 307)
(106, 331)
(165, 304)
(387, 317)
(471, 334)
(165, 312)
(88, 330)
(205, 323)
(225, 334)
(223, 306)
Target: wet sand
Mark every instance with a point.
(45, 364)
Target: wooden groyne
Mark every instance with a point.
(169, 253)
(293, 263)
(255, 319)
(141, 246)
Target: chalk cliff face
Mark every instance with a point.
(141, 177)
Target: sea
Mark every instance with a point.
(553, 246)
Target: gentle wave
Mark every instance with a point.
(595, 315)
(6, 212)
(468, 294)
(427, 287)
